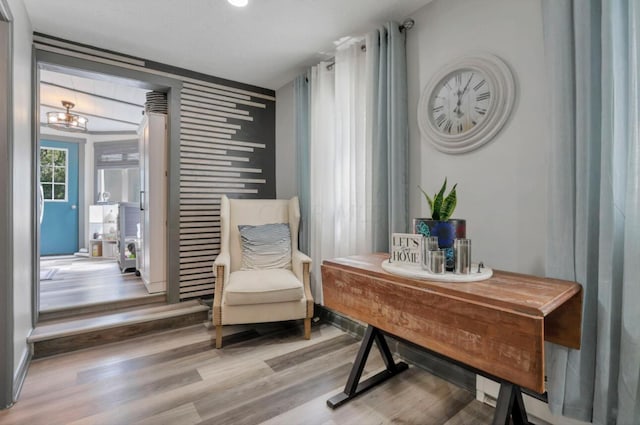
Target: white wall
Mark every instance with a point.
(23, 257)
(502, 185)
(286, 183)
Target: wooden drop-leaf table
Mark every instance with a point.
(496, 327)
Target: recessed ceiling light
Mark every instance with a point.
(239, 3)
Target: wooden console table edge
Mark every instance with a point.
(562, 317)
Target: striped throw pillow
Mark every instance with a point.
(267, 246)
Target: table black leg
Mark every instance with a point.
(359, 363)
(354, 387)
(385, 353)
(510, 406)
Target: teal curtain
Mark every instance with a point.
(592, 49)
(386, 53)
(301, 93)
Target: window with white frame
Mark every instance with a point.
(54, 165)
(117, 174)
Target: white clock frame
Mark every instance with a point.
(503, 93)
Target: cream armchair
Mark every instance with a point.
(264, 295)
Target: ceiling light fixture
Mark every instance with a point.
(67, 121)
(239, 3)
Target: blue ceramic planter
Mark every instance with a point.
(446, 231)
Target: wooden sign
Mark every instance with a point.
(406, 248)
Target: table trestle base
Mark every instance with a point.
(510, 406)
(354, 387)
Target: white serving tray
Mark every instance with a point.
(418, 273)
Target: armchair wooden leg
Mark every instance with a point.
(219, 336)
(307, 328)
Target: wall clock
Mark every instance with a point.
(466, 103)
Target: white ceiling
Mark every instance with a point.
(265, 44)
(108, 106)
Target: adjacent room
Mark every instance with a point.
(320, 212)
(88, 189)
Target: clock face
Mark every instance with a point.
(460, 101)
(466, 103)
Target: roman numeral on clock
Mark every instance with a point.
(483, 96)
(479, 85)
(441, 118)
(480, 110)
(459, 127)
(448, 126)
(438, 108)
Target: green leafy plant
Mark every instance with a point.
(442, 206)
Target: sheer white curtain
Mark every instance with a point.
(340, 157)
(322, 179)
(353, 159)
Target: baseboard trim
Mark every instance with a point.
(155, 287)
(21, 373)
(344, 323)
(411, 353)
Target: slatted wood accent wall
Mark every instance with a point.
(227, 146)
(218, 156)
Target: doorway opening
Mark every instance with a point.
(88, 188)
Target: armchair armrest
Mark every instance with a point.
(298, 260)
(222, 260)
(301, 265)
(221, 270)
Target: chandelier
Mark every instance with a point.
(67, 121)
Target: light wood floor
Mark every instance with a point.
(264, 375)
(80, 281)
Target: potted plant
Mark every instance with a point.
(441, 224)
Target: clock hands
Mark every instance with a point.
(457, 109)
(456, 119)
(459, 93)
(467, 86)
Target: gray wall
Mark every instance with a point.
(23, 256)
(286, 183)
(502, 186)
(6, 262)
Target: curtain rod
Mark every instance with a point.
(406, 25)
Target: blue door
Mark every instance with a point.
(59, 188)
